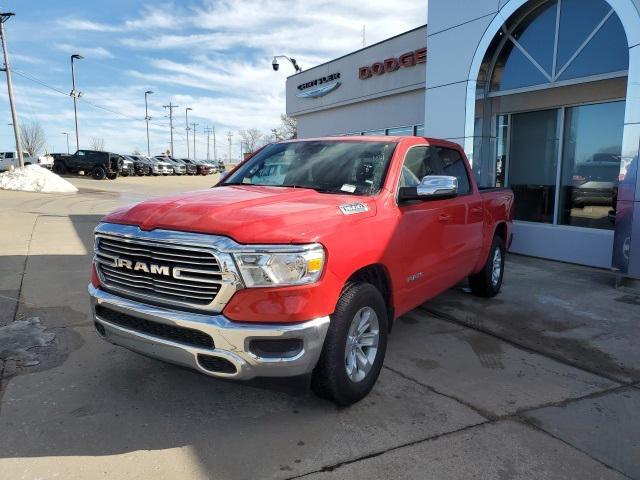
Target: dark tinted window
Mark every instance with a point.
(424, 161)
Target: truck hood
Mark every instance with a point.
(248, 214)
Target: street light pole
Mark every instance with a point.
(14, 115)
(186, 121)
(65, 133)
(147, 118)
(194, 125)
(75, 94)
(171, 107)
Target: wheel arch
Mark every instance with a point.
(377, 275)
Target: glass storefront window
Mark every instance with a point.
(533, 161)
(502, 146)
(591, 163)
(543, 49)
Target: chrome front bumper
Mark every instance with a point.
(231, 339)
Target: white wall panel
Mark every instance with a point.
(445, 14)
(449, 54)
(445, 111)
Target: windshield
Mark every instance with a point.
(352, 167)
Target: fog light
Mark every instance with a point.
(100, 329)
(276, 348)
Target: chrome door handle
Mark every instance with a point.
(444, 217)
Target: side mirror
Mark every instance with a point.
(431, 187)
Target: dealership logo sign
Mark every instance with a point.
(319, 87)
(409, 59)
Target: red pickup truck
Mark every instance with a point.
(299, 260)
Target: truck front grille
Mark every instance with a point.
(158, 272)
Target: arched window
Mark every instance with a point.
(561, 40)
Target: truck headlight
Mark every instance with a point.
(280, 268)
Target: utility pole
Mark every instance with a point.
(16, 129)
(215, 156)
(207, 131)
(75, 94)
(229, 135)
(171, 107)
(67, 134)
(194, 125)
(186, 122)
(147, 118)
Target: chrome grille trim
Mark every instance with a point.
(202, 276)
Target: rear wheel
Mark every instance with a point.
(487, 282)
(112, 175)
(98, 173)
(354, 347)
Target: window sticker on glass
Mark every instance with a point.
(348, 188)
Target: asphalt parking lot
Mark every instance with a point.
(541, 382)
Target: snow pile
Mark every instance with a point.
(34, 178)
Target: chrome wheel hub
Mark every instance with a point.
(362, 344)
(496, 267)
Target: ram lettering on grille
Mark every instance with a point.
(161, 272)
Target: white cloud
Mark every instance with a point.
(93, 52)
(214, 57)
(87, 25)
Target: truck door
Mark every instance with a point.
(434, 239)
(465, 227)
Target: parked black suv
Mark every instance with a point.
(99, 164)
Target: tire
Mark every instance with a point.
(124, 173)
(112, 176)
(487, 282)
(331, 378)
(98, 173)
(59, 168)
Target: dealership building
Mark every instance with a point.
(543, 95)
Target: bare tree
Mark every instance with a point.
(252, 138)
(288, 128)
(136, 151)
(96, 143)
(32, 138)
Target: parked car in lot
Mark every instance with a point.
(190, 165)
(9, 159)
(179, 167)
(302, 269)
(164, 168)
(196, 167)
(169, 164)
(141, 167)
(98, 164)
(127, 167)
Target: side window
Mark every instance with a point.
(414, 167)
(449, 162)
(421, 162)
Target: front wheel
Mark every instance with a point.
(354, 347)
(112, 175)
(487, 282)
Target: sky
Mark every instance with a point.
(211, 55)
